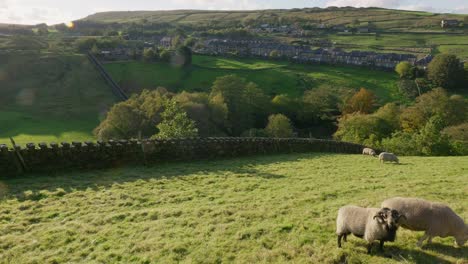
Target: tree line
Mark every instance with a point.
(433, 123)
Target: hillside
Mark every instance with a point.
(274, 77)
(50, 97)
(386, 30)
(270, 209)
(383, 19)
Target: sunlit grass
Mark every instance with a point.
(50, 97)
(274, 77)
(271, 209)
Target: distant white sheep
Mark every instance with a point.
(368, 151)
(385, 156)
(436, 219)
(368, 223)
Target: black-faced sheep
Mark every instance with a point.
(436, 219)
(368, 223)
(369, 151)
(385, 156)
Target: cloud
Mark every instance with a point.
(461, 10)
(15, 12)
(365, 3)
(221, 4)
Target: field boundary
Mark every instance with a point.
(109, 154)
(116, 90)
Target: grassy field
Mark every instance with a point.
(50, 97)
(271, 209)
(274, 77)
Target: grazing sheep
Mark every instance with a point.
(436, 219)
(369, 151)
(368, 223)
(385, 156)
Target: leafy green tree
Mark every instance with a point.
(95, 50)
(175, 122)
(233, 94)
(176, 41)
(183, 56)
(401, 143)
(138, 115)
(123, 121)
(319, 104)
(198, 108)
(446, 71)
(359, 127)
(453, 110)
(430, 139)
(149, 54)
(391, 114)
(258, 103)
(286, 105)
(274, 54)
(165, 56)
(85, 44)
(279, 126)
(405, 70)
(190, 42)
(409, 88)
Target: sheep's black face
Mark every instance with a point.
(390, 217)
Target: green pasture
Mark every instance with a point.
(274, 77)
(50, 97)
(264, 209)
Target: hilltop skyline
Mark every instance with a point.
(57, 11)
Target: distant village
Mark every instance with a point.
(305, 54)
(316, 50)
(270, 49)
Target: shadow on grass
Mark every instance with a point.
(407, 255)
(447, 250)
(98, 179)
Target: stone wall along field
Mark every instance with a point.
(105, 154)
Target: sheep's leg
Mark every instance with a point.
(339, 240)
(429, 241)
(369, 247)
(345, 237)
(421, 240)
(381, 245)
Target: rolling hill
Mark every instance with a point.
(50, 97)
(382, 19)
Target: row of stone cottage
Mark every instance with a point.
(264, 49)
(304, 54)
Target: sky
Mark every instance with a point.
(61, 11)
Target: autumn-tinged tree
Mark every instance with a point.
(363, 102)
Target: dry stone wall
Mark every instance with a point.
(105, 154)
